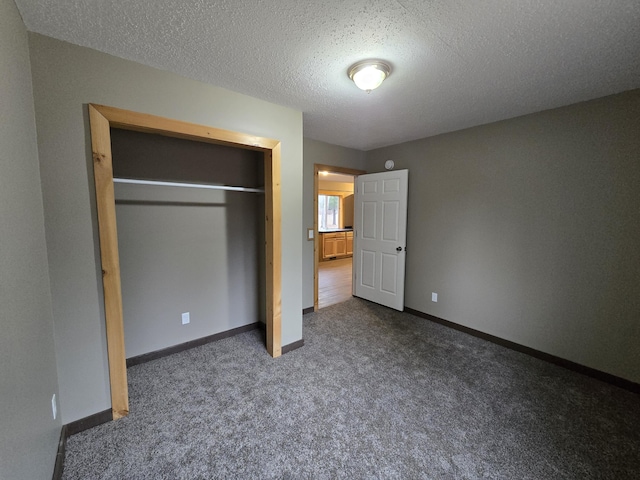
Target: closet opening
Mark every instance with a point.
(190, 221)
(154, 203)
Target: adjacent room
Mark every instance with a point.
(367, 239)
(335, 202)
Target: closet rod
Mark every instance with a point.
(189, 185)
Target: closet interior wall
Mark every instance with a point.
(183, 249)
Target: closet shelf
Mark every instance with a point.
(133, 181)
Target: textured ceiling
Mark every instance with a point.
(457, 63)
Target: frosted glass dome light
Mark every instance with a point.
(369, 74)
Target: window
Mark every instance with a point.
(328, 212)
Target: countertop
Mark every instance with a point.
(336, 230)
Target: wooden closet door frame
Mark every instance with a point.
(101, 120)
(317, 168)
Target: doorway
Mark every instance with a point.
(101, 120)
(333, 233)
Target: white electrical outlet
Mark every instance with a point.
(185, 318)
(54, 408)
(434, 297)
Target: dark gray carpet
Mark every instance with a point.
(373, 394)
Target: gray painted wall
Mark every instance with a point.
(185, 250)
(325, 154)
(67, 77)
(28, 377)
(528, 230)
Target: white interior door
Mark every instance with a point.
(380, 233)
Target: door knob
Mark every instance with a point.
(399, 249)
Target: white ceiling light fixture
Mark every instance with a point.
(369, 74)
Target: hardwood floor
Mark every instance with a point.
(334, 281)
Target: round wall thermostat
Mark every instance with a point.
(389, 164)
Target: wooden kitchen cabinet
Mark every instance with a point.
(337, 244)
(329, 245)
(341, 245)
